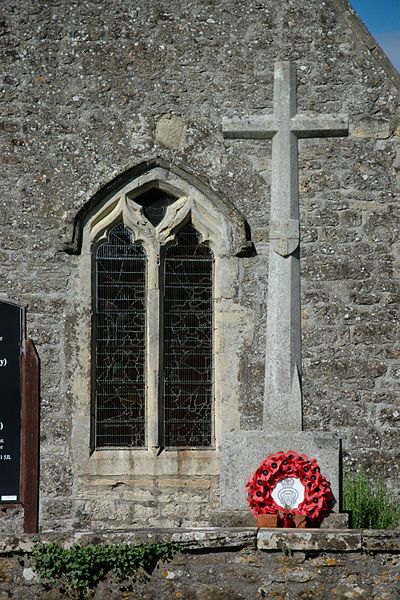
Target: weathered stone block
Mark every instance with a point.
(375, 540)
(203, 484)
(307, 539)
(372, 128)
(170, 130)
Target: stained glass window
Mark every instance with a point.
(187, 400)
(119, 395)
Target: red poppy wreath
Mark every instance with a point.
(287, 480)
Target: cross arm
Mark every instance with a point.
(305, 126)
(255, 127)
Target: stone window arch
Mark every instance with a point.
(154, 204)
(164, 398)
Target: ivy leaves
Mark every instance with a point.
(80, 567)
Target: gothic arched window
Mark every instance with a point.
(159, 262)
(185, 324)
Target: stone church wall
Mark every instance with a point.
(92, 89)
(228, 564)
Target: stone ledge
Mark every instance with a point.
(380, 540)
(198, 538)
(327, 540)
(221, 538)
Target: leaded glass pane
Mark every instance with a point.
(188, 405)
(120, 341)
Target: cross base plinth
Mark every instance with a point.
(242, 452)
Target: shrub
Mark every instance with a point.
(371, 508)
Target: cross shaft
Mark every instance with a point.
(282, 391)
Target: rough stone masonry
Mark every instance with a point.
(226, 564)
(91, 92)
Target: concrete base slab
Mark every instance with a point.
(244, 518)
(242, 452)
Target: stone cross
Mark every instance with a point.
(282, 395)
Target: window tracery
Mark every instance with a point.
(178, 201)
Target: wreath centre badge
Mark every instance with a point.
(288, 492)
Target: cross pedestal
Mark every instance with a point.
(242, 451)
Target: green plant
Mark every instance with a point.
(371, 508)
(80, 567)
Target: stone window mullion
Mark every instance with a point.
(153, 298)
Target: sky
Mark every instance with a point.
(382, 18)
